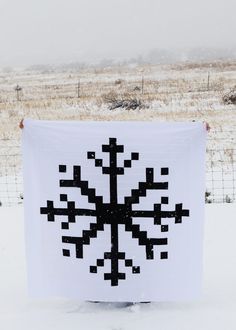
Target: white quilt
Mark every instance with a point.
(114, 211)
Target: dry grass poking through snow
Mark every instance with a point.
(180, 92)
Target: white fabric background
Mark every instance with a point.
(178, 146)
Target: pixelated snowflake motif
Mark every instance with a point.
(114, 213)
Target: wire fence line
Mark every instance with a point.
(220, 170)
(221, 175)
(72, 88)
(11, 178)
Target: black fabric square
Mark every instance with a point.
(164, 228)
(164, 200)
(100, 262)
(90, 154)
(105, 170)
(98, 162)
(128, 263)
(164, 171)
(134, 156)
(93, 269)
(66, 253)
(164, 255)
(121, 255)
(112, 140)
(64, 225)
(120, 171)
(121, 276)
(63, 197)
(136, 270)
(127, 163)
(62, 168)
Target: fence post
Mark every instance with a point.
(18, 89)
(208, 81)
(142, 84)
(78, 89)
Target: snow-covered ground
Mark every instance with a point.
(216, 309)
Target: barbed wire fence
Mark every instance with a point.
(220, 170)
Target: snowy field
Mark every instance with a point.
(216, 309)
(175, 92)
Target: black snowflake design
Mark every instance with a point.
(113, 213)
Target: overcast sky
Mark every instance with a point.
(54, 31)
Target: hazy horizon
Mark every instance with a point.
(55, 31)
